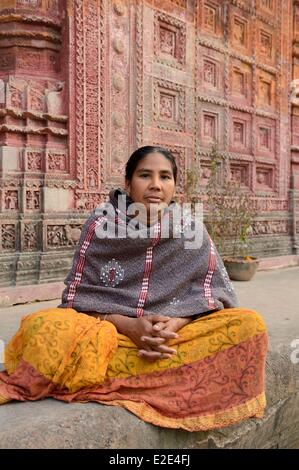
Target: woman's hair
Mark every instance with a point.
(140, 153)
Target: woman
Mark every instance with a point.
(146, 322)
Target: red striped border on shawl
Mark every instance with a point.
(209, 276)
(147, 270)
(81, 261)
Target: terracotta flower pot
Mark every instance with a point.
(241, 269)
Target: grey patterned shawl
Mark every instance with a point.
(145, 276)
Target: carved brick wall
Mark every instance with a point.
(95, 79)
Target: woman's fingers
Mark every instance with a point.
(153, 341)
(167, 334)
(156, 343)
(159, 326)
(153, 355)
(159, 318)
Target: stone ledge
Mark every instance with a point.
(32, 293)
(53, 424)
(278, 262)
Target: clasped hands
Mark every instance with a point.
(151, 334)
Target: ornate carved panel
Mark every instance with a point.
(169, 111)
(210, 71)
(266, 90)
(8, 237)
(266, 138)
(170, 40)
(240, 82)
(211, 17)
(241, 130)
(210, 125)
(265, 178)
(33, 159)
(11, 200)
(30, 236)
(56, 161)
(266, 43)
(240, 31)
(241, 173)
(62, 235)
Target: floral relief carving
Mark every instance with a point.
(8, 237)
(36, 100)
(56, 161)
(33, 160)
(16, 98)
(267, 227)
(88, 201)
(29, 60)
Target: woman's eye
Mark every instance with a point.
(144, 175)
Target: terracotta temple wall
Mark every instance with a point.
(84, 82)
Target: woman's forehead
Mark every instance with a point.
(154, 160)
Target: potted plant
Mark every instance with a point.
(229, 217)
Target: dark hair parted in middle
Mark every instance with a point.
(140, 153)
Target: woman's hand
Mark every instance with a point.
(150, 333)
(172, 325)
(163, 330)
(151, 346)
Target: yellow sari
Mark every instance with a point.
(215, 379)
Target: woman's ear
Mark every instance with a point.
(127, 186)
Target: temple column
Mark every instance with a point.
(34, 168)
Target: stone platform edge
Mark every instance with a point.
(14, 295)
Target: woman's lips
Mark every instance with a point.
(154, 199)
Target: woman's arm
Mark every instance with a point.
(138, 329)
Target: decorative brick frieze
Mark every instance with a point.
(109, 77)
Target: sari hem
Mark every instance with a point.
(251, 409)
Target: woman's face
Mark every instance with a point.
(152, 182)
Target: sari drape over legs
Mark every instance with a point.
(215, 379)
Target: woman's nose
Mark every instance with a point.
(155, 182)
